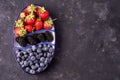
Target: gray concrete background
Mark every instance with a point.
(88, 40)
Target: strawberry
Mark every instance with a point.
(19, 23)
(26, 11)
(31, 8)
(42, 13)
(22, 15)
(29, 28)
(48, 24)
(30, 19)
(38, 24)
(19, 31)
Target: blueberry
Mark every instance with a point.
(42, 59)
(52, 53)
(34, 67)
(42, 64)
(39, 70)
(31, 54)
(34, 48)
(44, 45)
(49, 54)
(32, 58)
(51, 49)
(27, 69)
(29, 50)
(48, 45)
(45, 66)
(18, 59)
(38, 56)
(19, 54)
(44, 48)
(40, 45)
(24, 52)
(36, 64)
(50, 59)
(41, 54)
(21, 63)
(45, 55)
(36, 61)
(46, 61)
(25, 63)
(32, 71)
(25, 56)
(30, 62)
(39, 50)
(17, 51)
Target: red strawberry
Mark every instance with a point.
(19, 31)
(29, 28)
(38, 25)
(48, 24)
(30, 19)
(22, 15)
(30, 9)
(19, 23)
(26, 11)
(42, 13)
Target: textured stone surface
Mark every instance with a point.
(88, 40)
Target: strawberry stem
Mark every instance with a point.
(22, 32)
(32, 8)
(22, 15)
(30, 16)
(19, 23)
(54, 19)
(43, 9)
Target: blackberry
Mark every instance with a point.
(35, 37)
(41, 37)
(31, 40)
(21, 41)
(49, 36)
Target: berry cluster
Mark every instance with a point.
(34, 38)
(36, 59)
(32, 18)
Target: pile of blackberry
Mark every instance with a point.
(34, 38)
(36, 59)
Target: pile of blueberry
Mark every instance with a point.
(35, 59)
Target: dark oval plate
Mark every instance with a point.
(34, 59)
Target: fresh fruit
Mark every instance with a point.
(30, 19)
(21, 41)
(31, 8)
(34, 48)
(38, 25)
(31, 40)
(49, 36)
(34, 38)
(22, 15)
(19, 23)
(48, 24)
(29, 28)
(18, 31)
(41, 37)
(34, 51)
(42, 13)
(34, 63)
